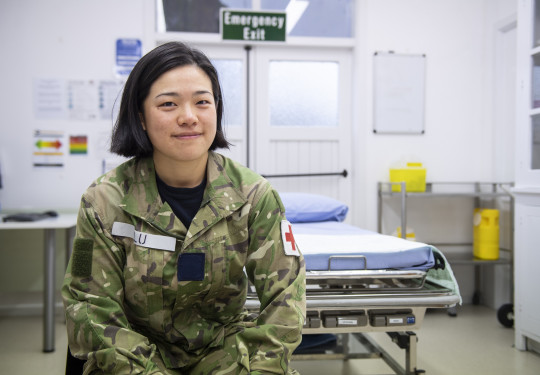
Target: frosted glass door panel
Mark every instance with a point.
(230, 63)
(303, 93)
(231, 77)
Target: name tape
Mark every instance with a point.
(152, 241)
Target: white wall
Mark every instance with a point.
(456, 37)
(54, 39)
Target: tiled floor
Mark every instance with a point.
(472, 343)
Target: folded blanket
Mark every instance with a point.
(444, 276)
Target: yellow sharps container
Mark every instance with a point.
(486, 233)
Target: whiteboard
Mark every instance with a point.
(399, 93)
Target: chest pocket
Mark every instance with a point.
(144, 281)
(230, 282)
(198, 273)
(224, 281)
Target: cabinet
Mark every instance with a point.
(485, 195)
(527, 189)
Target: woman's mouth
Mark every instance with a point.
(187, 135)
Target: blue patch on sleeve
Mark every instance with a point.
(191, 267)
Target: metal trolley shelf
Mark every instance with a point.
(477, 190)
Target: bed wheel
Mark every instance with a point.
(452, 311)
(505, 314)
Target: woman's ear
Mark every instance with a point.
(141, 117)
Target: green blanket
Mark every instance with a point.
(444, 277)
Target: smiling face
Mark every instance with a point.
(180, 118)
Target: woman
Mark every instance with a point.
(167, 241)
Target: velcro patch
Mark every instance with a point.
(289, 244)
(81, 259)
(191, 267)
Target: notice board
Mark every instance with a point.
(399, 93)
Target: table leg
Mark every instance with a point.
(48, 290)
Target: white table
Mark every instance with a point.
(49, 226)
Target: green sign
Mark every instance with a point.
(253, 26)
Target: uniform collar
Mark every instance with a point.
(221, 199)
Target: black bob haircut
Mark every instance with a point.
(128, 137)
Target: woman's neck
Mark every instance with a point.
(185, 174)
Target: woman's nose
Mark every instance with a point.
(187, 115)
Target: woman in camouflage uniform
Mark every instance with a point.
(167, 241)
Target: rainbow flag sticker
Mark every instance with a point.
(78, 144)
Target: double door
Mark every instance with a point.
(287, 111)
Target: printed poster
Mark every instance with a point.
(48, 150)
(49, 98)
(78, 145)
(128, 52)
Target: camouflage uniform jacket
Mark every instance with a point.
(132, 309)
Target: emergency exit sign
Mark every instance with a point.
(253, 26)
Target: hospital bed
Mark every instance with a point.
(359, 282)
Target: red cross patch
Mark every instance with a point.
(289, 245)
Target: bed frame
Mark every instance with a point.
(351, 312)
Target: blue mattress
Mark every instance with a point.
(319, 240)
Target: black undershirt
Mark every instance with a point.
(185, 202)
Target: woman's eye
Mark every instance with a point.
(204, 101)
(167, 104)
